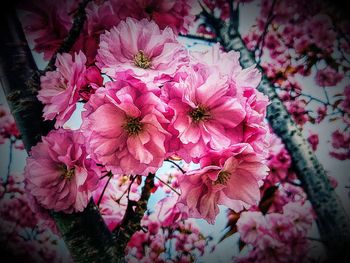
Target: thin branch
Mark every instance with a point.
(269, 19)
(172, 188)
(178, 166)
(198, 37)
(104, 189)
(261, 39)
(73, 34)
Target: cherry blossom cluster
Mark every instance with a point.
(277, 229)
(155, 244)
(161, 101)
(276, 237)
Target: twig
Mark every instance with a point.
(172, 188)
(198, 37)
(132, 218)
(178, 166)
(261, 39)
(104, 189)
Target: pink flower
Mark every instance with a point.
(170, 212)
(341, 142)
(229, 178)
(313, 140)
(8, 128)
(142, 50)
(251, 225)
(123, 126)
(47, 23)
(280, 226)
(58, 173)
(172, 13)
(228, 64)
(328, 77)
(205, 111)
(243, 85)
(60, 89)
(279, 160)
(301, 216)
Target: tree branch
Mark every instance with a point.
(333, 222)
(133, 215)
(85, 233)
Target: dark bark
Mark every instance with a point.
(332, 220)
(85, 233)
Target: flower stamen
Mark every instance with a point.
(199, 114)
(222, 177)
(67, 173)
(133, 126)
(141, 60)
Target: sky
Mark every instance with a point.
(224, 251)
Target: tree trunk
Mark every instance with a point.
(85, 234)
(332, 220)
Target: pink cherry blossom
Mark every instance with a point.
(218, 180)
(58, 173)
(251, 225)
(313, 140)
(228, 64)
(172, 13)
(142, 50)
(328, 77)
(60, 89)
(301, 215)
(47, 23)
(341, 145)
(8, 128)
(123, 125)
(205, 111)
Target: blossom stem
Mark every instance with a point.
(104, 189)
(261, 39)
(178, 166)
(172, 188)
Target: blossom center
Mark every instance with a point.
(133, 125)
(222, 177)
(141, 60)
(67, 173)
(198, 114)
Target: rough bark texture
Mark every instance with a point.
(333, 222)
(85, 233)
